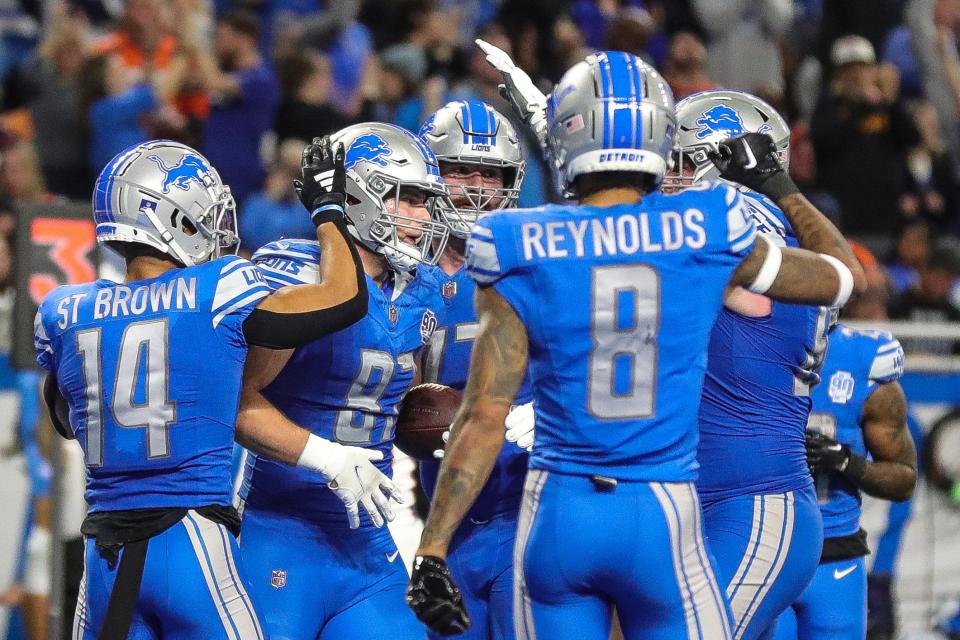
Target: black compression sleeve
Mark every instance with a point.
(290, 330)
(57, 406)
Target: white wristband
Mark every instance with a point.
(316, 455)
(846, 280)
(768, 270)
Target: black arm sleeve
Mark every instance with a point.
(57, 406)
(274, 330)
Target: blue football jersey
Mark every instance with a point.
(151, 371)
(618, 303)
(344, 387)
(447, 362)
(756, 394)
(857, 361)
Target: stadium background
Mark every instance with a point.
(875, 144)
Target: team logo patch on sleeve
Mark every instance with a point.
(427, 325)
(841, 387)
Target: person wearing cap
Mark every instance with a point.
(862, 133)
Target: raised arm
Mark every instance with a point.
(349, 471)
(299, 314)
(825, 270)
(497, 367)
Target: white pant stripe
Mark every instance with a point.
(522, 609)
(80, 614)
(701, 546)
(238, 582)
(752, 543)
(210, 574)
(768, 557)
(672, 517)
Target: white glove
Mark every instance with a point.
(438, 453)
(351, 475)
(519, 424)
(518, 89)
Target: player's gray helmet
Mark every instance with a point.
(706, 119)
(473, 132)
(381, 159)
(611, 112)
(165, 195)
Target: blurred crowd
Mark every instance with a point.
(872, 90)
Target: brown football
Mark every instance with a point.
(425, 413)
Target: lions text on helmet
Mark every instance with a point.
(480, 160)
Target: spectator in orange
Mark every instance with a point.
(142, 38)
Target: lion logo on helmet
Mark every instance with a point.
(191, 168)
(368, 148)
(721, 119)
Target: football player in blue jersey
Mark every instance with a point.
(146, 374)
(482, 166)
(859, 409)
(611, 302)
(761, 517)
(325, 580)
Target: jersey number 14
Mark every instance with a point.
(143, 358)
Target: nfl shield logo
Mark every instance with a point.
(841, 387)
(427, 326)
(278, 578)
(449, 289)
(393, 315)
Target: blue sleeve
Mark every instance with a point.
(41, 340)
(491, 252)
(238, 290)
(289, 262)
(729, 227)
(887, 359)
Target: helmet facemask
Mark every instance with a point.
(475, 201)
(384, 232)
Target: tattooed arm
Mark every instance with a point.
(804, 277)
(497, 367)
(892, 474)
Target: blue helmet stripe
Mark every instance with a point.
(624, 94)
(491, 124)
(638, 85)
(480, 120)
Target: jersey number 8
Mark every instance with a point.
(625, 324)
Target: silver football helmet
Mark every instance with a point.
(165, 195)
(473, 132)
(611, 112)
(706, 119)
(381, 160)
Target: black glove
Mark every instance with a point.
(751, 160)
(322, 186)
(826, 454)
(435, 598)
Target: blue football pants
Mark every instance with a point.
(192, 588)
(832, 607)
(325, 582)
(767, 549)
(583, 548)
